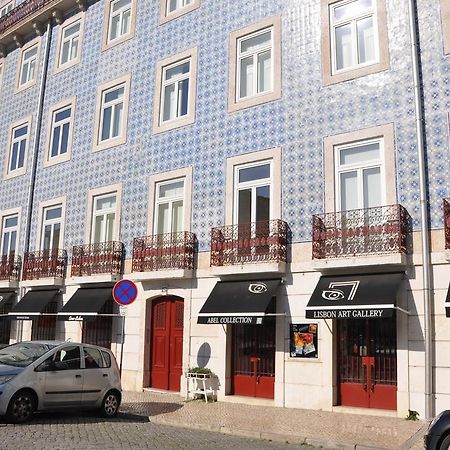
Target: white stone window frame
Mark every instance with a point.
(80, 17)
(253, 185)
(6, 7)
(102, 89)
(99, 192)
(107, 43)
(445, 18)
(44, 206)
(5, 214)
(170, 177)
(235, 38)
(189, 118)
(2, 71)
(23, 51)
(384, 133)
(359, 168)
(8, 174)
(48, 159)
(166, 16)
(273, 155)
(383, 63)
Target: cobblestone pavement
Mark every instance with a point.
(87, 431)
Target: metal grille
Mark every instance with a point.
(254, 341)
(447, 223)
(44, 328)
(10, 268)
(164, 251)
(44, 264)
(92, 259)
(179, 312)
(380, 230)
(5, 323)
(255, 242)
(98, 331)
(160, 316)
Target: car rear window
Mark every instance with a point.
(107, 358)
(92, 358)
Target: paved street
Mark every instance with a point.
(87, 431)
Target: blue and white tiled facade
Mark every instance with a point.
(307, 112)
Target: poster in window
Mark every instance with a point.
(304, 340)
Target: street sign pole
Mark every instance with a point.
(122, 339)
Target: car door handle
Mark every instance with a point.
(77, 376)
(105, 374)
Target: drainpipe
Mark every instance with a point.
(424, 216)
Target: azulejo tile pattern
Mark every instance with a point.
(298, 122)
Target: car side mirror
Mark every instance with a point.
(46, 366)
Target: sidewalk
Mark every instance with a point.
(300, 426)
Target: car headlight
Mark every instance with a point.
(5, 378)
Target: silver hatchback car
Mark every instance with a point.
(47, 375)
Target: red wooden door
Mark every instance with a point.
(167, 344)
(254, 359)
(367, 363)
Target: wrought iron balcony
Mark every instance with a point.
(44, 264)
(10, 267)
(257, 242)
(96, 259)
(164, 252)
(371, 231)
(447, 223)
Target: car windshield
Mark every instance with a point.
(23, 354)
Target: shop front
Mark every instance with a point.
(363, 309)
(247, 309)
(6, 301)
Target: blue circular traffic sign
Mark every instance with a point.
(124, 292)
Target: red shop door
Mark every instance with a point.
(254, 359)
(367, 363)
(167, 343)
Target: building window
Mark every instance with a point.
(10, 229)
(51, 227)
(171, 9)
(121, 21)
(28, 66)
(69, 44)
(169, 209)
(176, 88)
(355, 40)
(359, 175)
(18, 149)
(174, 5)
(104, 217)
(445, 16)
(255, 65)
(252, 195)
(1, 74)
(5, 9)
(112, 113)
(61, 131)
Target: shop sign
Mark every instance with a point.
(231, 320)
(357, 313)
(304, 340)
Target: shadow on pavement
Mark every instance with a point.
(150, 408)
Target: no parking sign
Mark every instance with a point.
(124, 292)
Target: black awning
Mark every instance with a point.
(238, 302)
(354, 296)
(33, 304)
(7, 297)
(447, 303)
(86, 303)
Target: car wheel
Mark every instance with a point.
(445, 444)
(110, 405)
(21, 407)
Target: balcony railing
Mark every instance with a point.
(257, 242)
(371, 231)
(95, 259)
(164, 251)
(447, 223)
(44, 264)
(22, 12)
(10, 268)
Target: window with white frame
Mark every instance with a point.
(175, 90)
(60, 132)
(119, 19)
(1, 74)
(112, 113)
(18, 148)
(253, 192)
(104, 217)
(9, 234)
(28, 66)
(360, 175)
(169, 208)
(5, 9)
(254, 65)
(175, 5)
(51, 227)
(354, 35)
(70, 43)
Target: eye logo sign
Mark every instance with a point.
(257, 288)
(334, 294)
